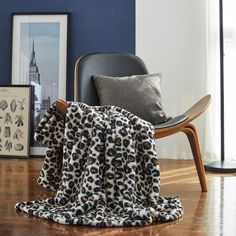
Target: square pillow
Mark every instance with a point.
(139, 94)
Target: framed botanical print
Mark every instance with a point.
(39, 58)
(15, 113)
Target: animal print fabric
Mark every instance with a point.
(103, 166)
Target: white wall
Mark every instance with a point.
(171, 39)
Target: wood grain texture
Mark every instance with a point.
(191, 133)
(212, 213)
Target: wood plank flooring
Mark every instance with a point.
(212, 213)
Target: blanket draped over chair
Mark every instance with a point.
(102, 164)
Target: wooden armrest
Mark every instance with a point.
(192, 113)
(198, 108)
(61, 106)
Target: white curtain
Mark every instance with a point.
(212, 148)
(171, 39)
(212, 131)
(229, 7)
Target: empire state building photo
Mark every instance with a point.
(34, 79)
(40, 104)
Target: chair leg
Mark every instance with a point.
(191, 133)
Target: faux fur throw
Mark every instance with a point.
(103, 166)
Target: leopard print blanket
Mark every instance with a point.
(102, 163)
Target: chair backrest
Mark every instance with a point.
(109, 64)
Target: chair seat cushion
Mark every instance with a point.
(139, 94)
(172, 122)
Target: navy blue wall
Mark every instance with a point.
(95, 25)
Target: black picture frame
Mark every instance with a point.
(47, 32)
(15, 118)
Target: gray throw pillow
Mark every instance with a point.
(139, 94)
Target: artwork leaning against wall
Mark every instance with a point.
(39, 58)
(15, 106)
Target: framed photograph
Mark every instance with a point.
(39, 58)
(15, 112)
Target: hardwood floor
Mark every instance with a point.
(212, 213)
